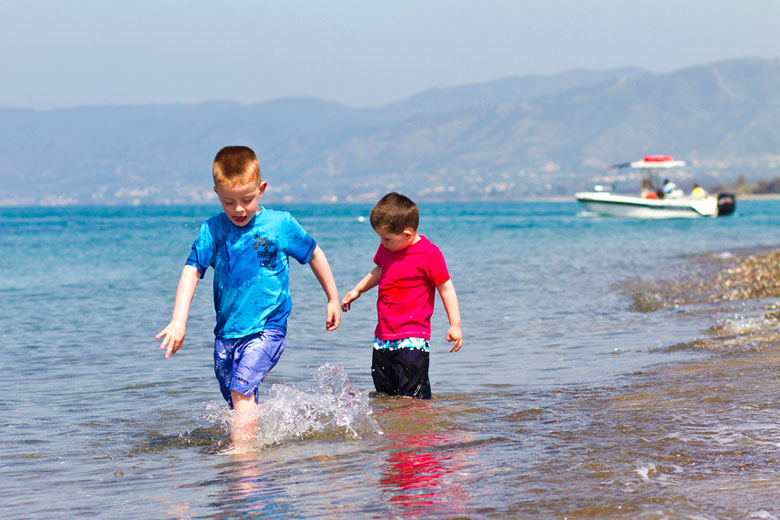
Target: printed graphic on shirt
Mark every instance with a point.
(267, 251)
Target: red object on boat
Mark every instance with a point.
(657, 158)
(651, 195)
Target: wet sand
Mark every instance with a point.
(703, 435)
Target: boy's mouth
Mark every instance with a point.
(241, 219)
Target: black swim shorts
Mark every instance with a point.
(403, 371)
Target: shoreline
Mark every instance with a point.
(270, 201)
(759, 196)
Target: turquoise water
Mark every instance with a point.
(96, 423)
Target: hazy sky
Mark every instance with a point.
(60, 53)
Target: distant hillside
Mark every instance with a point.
(515, 138)
(441, 101)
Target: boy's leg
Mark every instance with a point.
(240, 366)
(244, 424)
(411, 368)
(382, 371)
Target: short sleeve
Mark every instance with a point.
(436, 267)
(298, 243)
(378, 255)
(202, 253)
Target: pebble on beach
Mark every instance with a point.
(744, 278)
(757, 276)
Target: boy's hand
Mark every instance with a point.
(456, 336)
(350, 297)
(174, 337)
(334, 316)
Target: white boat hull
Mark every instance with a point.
(626, 206)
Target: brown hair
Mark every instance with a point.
(394, 213)
(236, 165)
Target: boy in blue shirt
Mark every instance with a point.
(248, 247)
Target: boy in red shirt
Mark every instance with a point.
(408, 269)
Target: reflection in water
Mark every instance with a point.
(248, 490)
(420, 476)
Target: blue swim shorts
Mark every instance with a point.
(241, 364)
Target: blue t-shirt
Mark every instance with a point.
(251, 277)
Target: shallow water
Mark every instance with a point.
(567, 399)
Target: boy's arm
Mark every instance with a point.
(450, 300)
(368, 282)
(175, 330)
(321, 269)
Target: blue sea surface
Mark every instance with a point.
(95, 423)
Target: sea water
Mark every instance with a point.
(567, 399)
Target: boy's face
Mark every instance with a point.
(397, 241)
(240, 202)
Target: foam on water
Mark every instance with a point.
(645, 471)
(745, 325)
(763, 514)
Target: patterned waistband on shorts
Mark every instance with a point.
(396, 344)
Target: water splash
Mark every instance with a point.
(332, 409)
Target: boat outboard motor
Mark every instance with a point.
(727, 202)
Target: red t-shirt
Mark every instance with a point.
(407, 289)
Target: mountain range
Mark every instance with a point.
(517, 138)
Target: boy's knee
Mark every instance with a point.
(242, 403)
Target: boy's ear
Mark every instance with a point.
(409, 232)
(262, 187)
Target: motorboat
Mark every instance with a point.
(652, 203)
